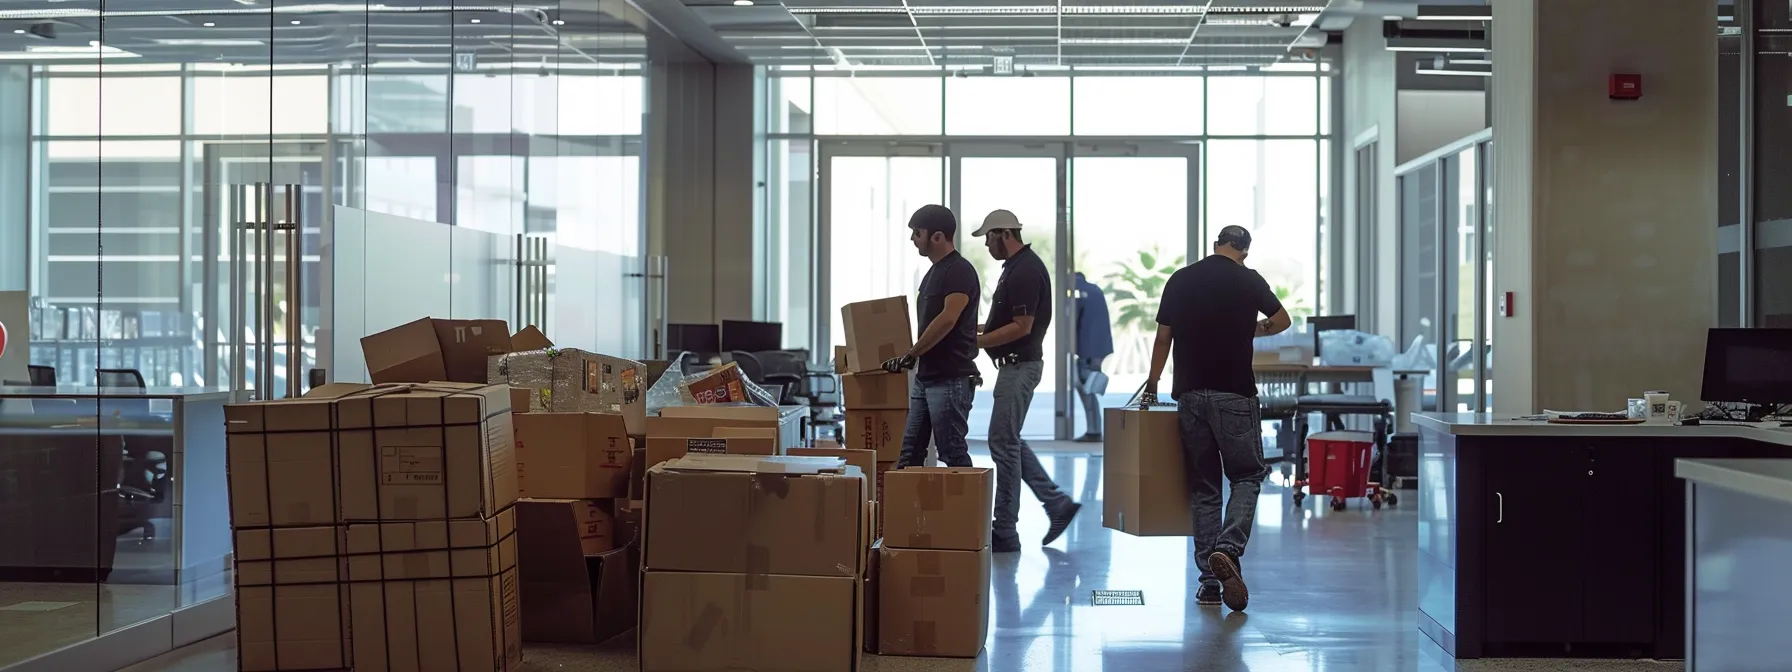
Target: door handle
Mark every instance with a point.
(1502, 507)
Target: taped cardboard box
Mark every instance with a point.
(865, 460)
(875, 391)
(437, 451)
(879, 431)
(294, 438)
(739, 514)
(569, 596)
(568, 380)
(727, 622)
(932, 602)
(435, 595)
(706, 421)
(292, 599)
(1145, 484)
(946, 508)
(573, 455)
(663, 448)
(521, 398)
(876, 331)
(435, 350)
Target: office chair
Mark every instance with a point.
(42, 376)
(143, 476)
(119, 378)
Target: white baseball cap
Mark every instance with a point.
(999, 220)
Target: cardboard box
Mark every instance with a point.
(568, 596)
(945, 508)
(572, 455)
(879, 431)
(932, 602)
(568, 380)
(752, 520)
(521, 399)
(875, 332)
(663, 448)
(865, 460)
(430, 349)
(593, 521)
(295, 440)
(870, 586)
(292, 599)
(1145, 484)
(724, 622)
(444, 450)
(706, 421)
(435, 595)
(721, 385)
(840, 359)
(875, 391)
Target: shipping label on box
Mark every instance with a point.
(876, 331)
(725, 622)
(661, 448)
(875, 391)
(1145, 484)
(932, 602)
(944, 508)
(753, 522)
(573, 455)
(877, 431)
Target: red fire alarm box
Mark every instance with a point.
(1626, 87)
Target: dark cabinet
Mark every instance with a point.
(1618, 549)
(1533, 590)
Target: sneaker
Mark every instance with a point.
(1231, 580)
(1004, 546)
(1089, 438)
(1060, 522)
(1208, 596)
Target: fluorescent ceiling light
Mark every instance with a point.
(1455, 13)
(203, 42)
(66, 53)
(743, 3)
(1456, 69)
(1137, 41)
(1455, 73)
(1436, 45)
(951, 10)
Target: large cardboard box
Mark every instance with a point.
(592, 522)
(932, 602)
(875, 391)
(727, 622)
(1143, 478)
(572, 455)
(870, 586)
(879, 431)
(281, 455)
(570, 596)
(946, 508)
(865, 460)
(875, 332)
(430, 350)
(663, 448)
(435, 595)
(292, 599)
(443, 450)
(706, 421)
(521, 398)
(568, 380)
(746, 517)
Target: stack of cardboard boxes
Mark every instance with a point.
(753, 563)
(876, 402)
(374, 529)
(933, 564)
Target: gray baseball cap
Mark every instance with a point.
(999, 220)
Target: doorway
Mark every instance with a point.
(1122, 213)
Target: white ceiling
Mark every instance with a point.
(1038, 34)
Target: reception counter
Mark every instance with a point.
(1544, 540)
(1739, 545)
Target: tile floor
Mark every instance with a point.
(1329, 591)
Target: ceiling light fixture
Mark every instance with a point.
(1125, 41)
(1455, 13)
(743, 3)
(294, 22)
(18, 31)
(474, 21)
(1436, 45)
(209, 24)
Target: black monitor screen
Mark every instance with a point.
(1748, 365)
(742, 336)
(698, 338)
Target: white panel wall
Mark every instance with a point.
(1369, 111)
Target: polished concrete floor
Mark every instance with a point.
(1329, 591)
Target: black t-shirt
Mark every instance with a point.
(1025, 289)
(956, 354)
(1212, 308)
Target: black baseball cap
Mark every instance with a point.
(1236, 236)
(935, 218)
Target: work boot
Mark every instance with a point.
(1208, 596)
(1225, 568)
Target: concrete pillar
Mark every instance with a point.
(15, 183)
(1603, 209)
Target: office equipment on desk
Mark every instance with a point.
(744, 336)
(42, 376)
(1749, 366)
(700, 339)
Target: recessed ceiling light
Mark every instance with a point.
(475, 20)
(743, 3)
(559, 22)
(209, 24)
(295, 22)
(18, 31)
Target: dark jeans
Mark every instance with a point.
(940, 410)
(1085, 367)
(1221, 431)
(1015, 461)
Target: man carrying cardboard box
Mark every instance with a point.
(1019, 315)
(1210, 312)
(944, 356)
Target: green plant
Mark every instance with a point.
(1295, 305)
(1136, 290)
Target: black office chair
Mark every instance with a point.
(42, 376)
(119, 378)
(143, 478)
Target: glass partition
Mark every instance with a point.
(1447, 298)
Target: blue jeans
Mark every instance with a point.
(1015, 461)
(939, 409)
(1222, 432)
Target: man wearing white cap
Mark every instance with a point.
(1019, 314)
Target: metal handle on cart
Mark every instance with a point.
(1502, 507)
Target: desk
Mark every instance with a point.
(1397, 385)
(1739, 537)
(1541, 540)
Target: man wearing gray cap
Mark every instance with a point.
(1020, 312)
(1209, 313)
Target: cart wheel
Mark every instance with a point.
(1393, 499)
(1299, 497)
(1337, 504)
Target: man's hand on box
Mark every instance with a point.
(1148, 396)
(899, 364)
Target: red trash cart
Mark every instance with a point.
(1338, 465)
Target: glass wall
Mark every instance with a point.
(202, 203)
(1447, 297)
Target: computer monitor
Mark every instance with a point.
(1751, 366)
(1332, 322)
(743, 336)
(705, 339)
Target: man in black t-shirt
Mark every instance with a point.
(1210, 312)
(945, 354)
(1019, 315)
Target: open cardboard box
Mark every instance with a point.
(569, 597)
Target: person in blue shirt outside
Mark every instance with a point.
(1094, 342)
